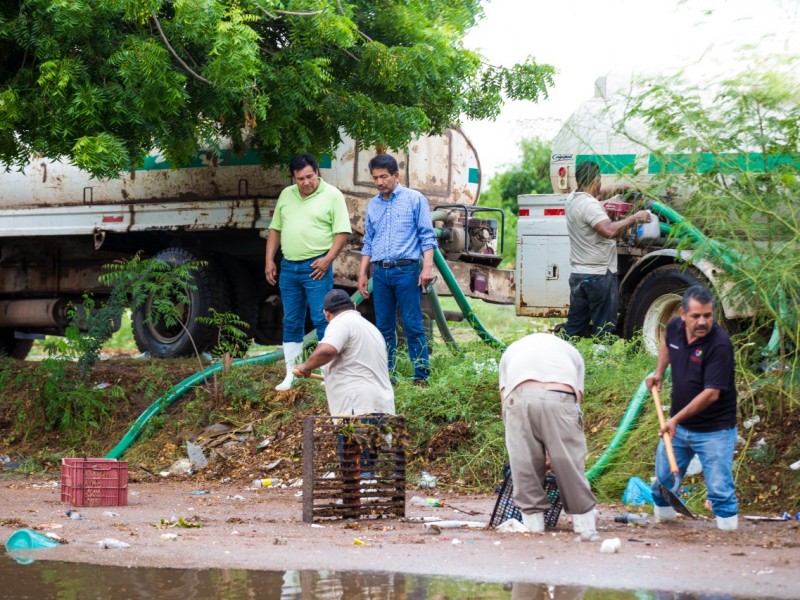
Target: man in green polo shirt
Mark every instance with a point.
(311, 225)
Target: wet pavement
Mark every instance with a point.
(55, 579)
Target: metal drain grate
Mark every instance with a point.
(354, 467)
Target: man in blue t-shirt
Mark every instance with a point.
(702, 417)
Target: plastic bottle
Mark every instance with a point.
(418, 501)
(74, 515)
(634, 518)
(266, 482)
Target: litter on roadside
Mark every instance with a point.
(169, 536)
(512, 526)
(111, 543)
(110, 513)
(456, 525)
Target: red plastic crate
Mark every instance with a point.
(94, 482)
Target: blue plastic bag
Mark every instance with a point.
(637, 493)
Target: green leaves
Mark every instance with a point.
(82, 78)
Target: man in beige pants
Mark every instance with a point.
(541, 387)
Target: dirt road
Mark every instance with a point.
(263, 530)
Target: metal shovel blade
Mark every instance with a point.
(675, 502)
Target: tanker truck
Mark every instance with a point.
(59, 227)
(652, 276)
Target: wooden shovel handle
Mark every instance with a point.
(299, 373)
(673, 464)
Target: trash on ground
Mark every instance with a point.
(358, 542)
(102, 386)
(196, 493)
(273, 464)
(112, 543)
(633, 518)
(25, 539)
(512, 526)
(457, 525)
(426, 480)
(195, 452)
(296, 483)
(182, 466)
(419, 501)
(748, 423)
(74, 515)
(784, 517)
(264, 443)
(266, 482)
(236, 497)
(456, 542)
(795, 466)
(55, 537)
(422, 519)
(637, 492)
(610, 546)
(169, 536)
(110, 513)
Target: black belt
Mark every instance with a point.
(391, 264)
(305, 259)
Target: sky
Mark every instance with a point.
(586, 39)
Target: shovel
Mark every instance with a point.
(670, 495)
(298, 373)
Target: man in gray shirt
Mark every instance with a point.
(593, 255)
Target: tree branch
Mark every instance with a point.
(299, 13)
(174, 54)
(361, 33)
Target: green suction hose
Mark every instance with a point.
(200, 377)
(461, 300)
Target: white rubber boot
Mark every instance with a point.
(663, 514)
(728, 523)
(291, 352)
(585, 526)
(534, 521)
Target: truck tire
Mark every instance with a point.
(656, 300)
(242, 291)
(211, 291)
(12, 347)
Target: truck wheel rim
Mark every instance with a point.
(162, 333)
(661, 312)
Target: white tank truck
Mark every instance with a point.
(651, 276)
(58, 227)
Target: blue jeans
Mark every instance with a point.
(298, 290)
(715, 450)
(592, 297)
(398, 288)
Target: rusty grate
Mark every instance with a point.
(354, 467)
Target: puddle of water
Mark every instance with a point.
(55, 579)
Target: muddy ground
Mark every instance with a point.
(263, 529)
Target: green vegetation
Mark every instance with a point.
(734, 156)
(102, 82)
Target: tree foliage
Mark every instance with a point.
(734, 155)
(102, 82)
(531, 175)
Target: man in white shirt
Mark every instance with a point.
(541, 387)
(355, 358)
(593, 255)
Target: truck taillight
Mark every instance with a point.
(562, 178)
(524, 212)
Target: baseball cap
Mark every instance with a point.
(336, 299)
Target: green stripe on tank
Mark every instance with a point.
(747, 162)
(610, 164)
(227, 158)
(474, 175)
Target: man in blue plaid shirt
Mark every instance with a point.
(398, 233)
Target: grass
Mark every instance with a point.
(455, 425)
